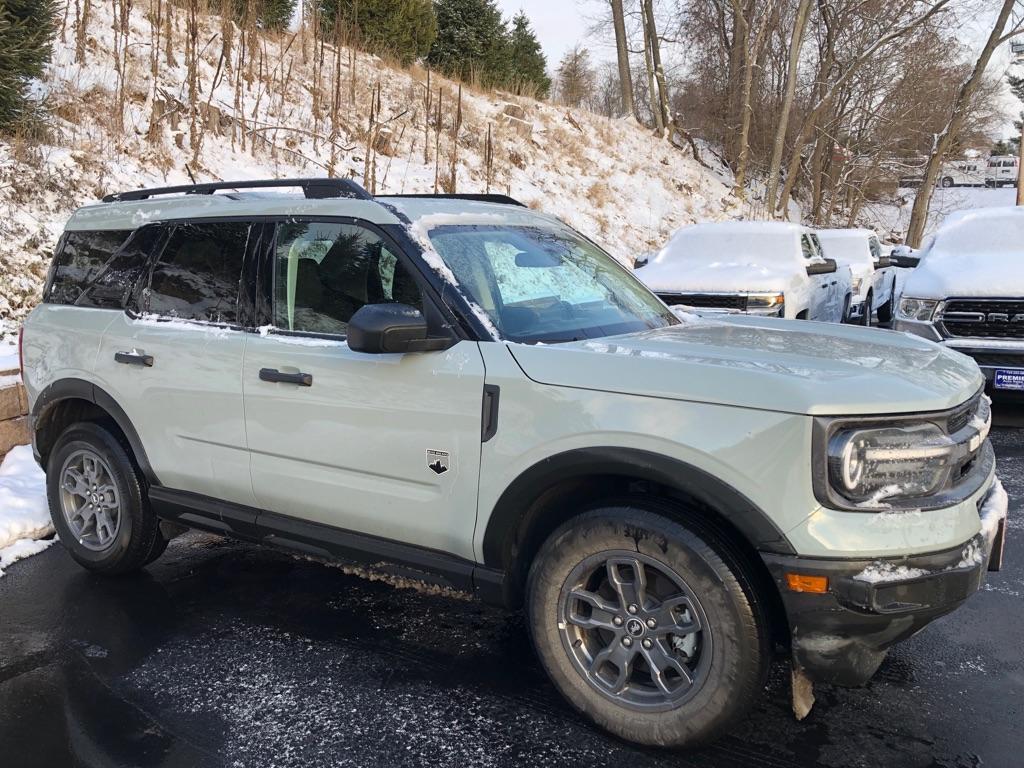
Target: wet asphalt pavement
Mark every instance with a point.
(223, 654)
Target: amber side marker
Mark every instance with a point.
(799, 582)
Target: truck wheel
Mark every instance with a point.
(947, 182)
(644, 626)
(866, 318)
(885, 311)
(96, 502)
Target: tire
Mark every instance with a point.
(885, 311)
(947, 182)
(726, 659)
(866, 317)
(129, 536)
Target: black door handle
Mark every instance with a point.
(134, 358)
(272, 374)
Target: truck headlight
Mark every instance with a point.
(869, 466)
(920, 310)
(765, 303)
(856, 284)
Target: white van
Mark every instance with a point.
(754, 267)
(963, 173)
(1002, 171)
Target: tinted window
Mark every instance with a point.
(326, 271)
(806, 247)
(79, 262)
(198, 274)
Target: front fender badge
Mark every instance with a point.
(437, 461)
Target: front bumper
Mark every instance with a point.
(842, 635)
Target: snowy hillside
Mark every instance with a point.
(271, 114)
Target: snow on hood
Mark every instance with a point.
(974, 253)
(729, 256)
(777, 365)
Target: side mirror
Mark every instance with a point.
(883, 261)
(823, 267)
(380, 328)
(640, 262)
(905, 261)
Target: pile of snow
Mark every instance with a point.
(611, 179)
(24, 515)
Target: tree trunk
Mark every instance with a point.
(944, 141)
(622, 53)
(799, 24)
(652, 86)
(659, 70)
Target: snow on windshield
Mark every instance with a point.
(846, 247)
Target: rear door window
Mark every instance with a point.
(198, 275)
(81, 259)
(325, 271)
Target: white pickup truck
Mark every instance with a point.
(874, 281)
(968, 292)
(756, 267)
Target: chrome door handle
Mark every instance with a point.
(134, 358)
(272, 374)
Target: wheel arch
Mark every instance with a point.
(562, 486)
(69, 400)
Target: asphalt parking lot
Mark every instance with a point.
(225, 654)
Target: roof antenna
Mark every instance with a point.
(189, 172)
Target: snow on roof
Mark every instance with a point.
(836, 234)
(745, 227)
(441, 211)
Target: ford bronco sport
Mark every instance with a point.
(470, 389)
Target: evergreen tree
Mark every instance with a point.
(527, 63)
(576, 79)
(402, 28)
(269, 14)
(472, 41)
(27, 28)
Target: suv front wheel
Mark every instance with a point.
(96, 502)
(644, 627)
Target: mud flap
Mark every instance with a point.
(803, 692)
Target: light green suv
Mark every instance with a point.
(472, 390)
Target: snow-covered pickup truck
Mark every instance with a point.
(874, 281)
(968, 292)
(757, 267)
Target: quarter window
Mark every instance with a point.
(198, 274)
(80, 261)
(325, 271)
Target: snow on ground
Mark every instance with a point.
(8, 356)
(24, 515)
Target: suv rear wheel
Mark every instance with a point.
(644, 627)
(96, 502)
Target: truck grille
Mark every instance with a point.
(984, 318)
(733, 301)
(994, 359)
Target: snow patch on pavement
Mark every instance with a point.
(24, 513)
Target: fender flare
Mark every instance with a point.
(80, 389)
(506, 522)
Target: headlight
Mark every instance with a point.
(920, 310)
(765, 302)
(869, 466)
(857, 283)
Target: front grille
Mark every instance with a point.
(995, 359)
(959, 418)
(984, 318)
(707, 300)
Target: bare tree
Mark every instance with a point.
(622, 56)
(1001, 32)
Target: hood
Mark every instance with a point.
(970, 274)
(739, 275)
(793, 366)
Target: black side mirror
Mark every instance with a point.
(905, 261)
(379, 328)
(883, 261)
(826, 267)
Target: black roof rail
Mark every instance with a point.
(314, 189)
(499, 199)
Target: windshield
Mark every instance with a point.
(542, 283)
